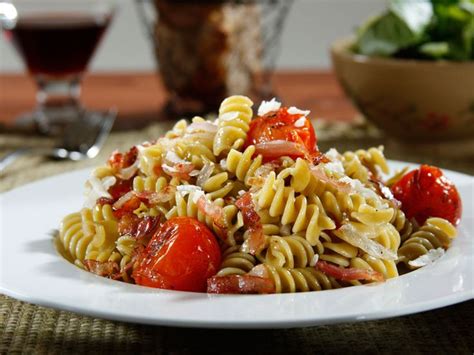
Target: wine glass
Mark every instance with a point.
(56, 39)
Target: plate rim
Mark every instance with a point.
(432, 304)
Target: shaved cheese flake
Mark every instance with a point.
(387, 193)
(223, 164)
(296, 111)
(202, 127)
(229, 116)
(334, 167)
(428, 258)
(268, 106)
(332, 154)
(358, 187)
(172, 157)
(300, 121)
(314, 260)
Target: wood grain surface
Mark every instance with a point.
(140, 97)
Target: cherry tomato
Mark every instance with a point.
(282, 126)
(181, 255)
(426, 192)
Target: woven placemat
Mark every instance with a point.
(27, 329)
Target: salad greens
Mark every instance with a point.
(420, 29)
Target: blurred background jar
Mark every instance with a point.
(209, 50)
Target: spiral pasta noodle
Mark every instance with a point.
(90, 235)
(283, 214)
(435, 233)
(300, 279)
(235, 114)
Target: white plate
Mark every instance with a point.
(32, 271)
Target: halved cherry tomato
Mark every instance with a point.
(281, 126)
(426, 192)
(181, 255)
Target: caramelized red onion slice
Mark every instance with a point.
(240, 284)
(362, 238)
(129, 172)
(205, 173)
(349, 274)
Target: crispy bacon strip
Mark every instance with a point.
(348, 274)
(239, 284)
(179, 170)
(119, 161)
(154, 198)
(339, 185)
(256, 241)
(106, 269)
(212, 210)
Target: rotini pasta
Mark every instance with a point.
(254, 207)
(235, 114)
(435, 233)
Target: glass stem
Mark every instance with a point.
(58, 101)
(58, 92)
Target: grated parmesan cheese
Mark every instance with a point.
(300, 121)
(296, 111)
(174, 158)
(268, 106)
(223, 164)
(428, 258)
(334, 167)
(314, 260)
(365, 192)
(229, 116)
(387, 192)
(332, 154)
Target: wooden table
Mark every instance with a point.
(25, 328)
(139, 97)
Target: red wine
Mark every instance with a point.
(57, 45)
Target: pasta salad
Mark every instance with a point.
(247, 203)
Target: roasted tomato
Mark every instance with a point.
(181, 255)
(426, 192)
(280, 133)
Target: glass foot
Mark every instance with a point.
(52, 122)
